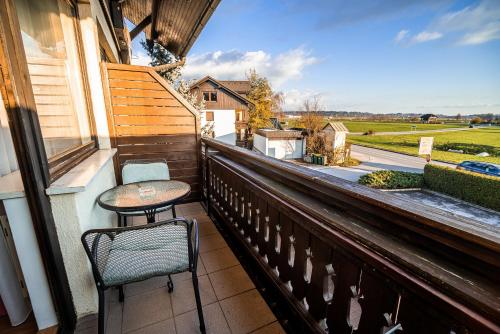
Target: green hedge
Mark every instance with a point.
(390, 179)
(476, 188)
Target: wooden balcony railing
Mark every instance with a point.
(348, 259)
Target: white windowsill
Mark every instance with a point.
(78, 178)
(11, 186)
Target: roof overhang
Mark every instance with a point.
(174, 24)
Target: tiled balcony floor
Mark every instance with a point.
(231, 304)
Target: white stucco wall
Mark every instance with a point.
(279, 148)
(260, 143)
(224, 125)
(74, 213)
(30, 259)
(285, 148)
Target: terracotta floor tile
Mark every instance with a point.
(137, 288)
(211, 242)
(230, 282)
(163, 327)
(215, 323)
(206, 228)
(246, 312)
(274, 328)
(183, 299)
(114, 317)
(146, 309)
(219, 259)
(187, 275)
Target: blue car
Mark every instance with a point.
(480, 167)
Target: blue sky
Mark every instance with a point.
(382, 56)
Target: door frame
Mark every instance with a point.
(17, 93)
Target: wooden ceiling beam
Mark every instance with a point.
(140, 27)
(155, 8)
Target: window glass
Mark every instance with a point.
(213, 96)
(50, 41)
(205, 96)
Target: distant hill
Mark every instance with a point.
(357, 114)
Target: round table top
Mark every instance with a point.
(143, 195)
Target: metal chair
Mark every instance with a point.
(138, 170)
(124, 255)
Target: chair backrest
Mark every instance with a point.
(145, 170)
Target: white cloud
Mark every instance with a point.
(233, 65)
(294, 98)
(483, 35)
(426, 36)
(473, 24)
(401, 36)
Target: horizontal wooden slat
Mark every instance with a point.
(46, 61)
(138, 149)
(58, 121)
(47, 109)
(144, 101)
(167, 139)
(148, 85)
(129, 75)
(46, 70)
(124, 130)
(59, 132)
(122, 92)
(54, 90)
(184, 172)
(55, 100)
(44, 80)
(153, 120)
(172, 164)
(151, 110)
(169, 156)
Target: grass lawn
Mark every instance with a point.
(362, 126)
(409, 143)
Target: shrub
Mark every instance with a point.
(476, 188)
(469, 148)
(390, 179)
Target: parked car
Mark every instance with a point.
(480, 167)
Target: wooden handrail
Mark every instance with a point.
(374, 228)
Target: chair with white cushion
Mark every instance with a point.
(125, 255)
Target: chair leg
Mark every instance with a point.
(174, 215)
(170, 284)
(121, 296)
(100, 324)
(198, 302)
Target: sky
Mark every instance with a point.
(379, 56)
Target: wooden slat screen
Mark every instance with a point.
(148, 120)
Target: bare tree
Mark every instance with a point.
(312, 116)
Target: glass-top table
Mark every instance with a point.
(147, 196)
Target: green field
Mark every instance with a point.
(364, 126)
(470, 139)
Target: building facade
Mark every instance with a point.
(226, 108)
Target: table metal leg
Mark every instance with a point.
(150, 215)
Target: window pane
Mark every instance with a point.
(49, 38)
(205, 96)
(213, 96)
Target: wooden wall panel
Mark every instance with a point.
(148, 121)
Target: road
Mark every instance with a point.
(373, 159)
(382, 159)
